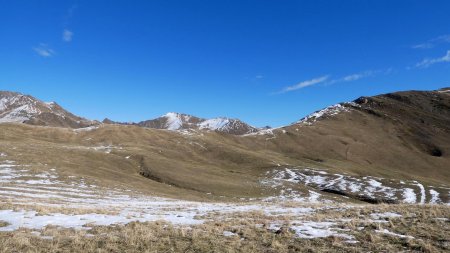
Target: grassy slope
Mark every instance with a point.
(175, 159)
(390, 136)
(387, 141)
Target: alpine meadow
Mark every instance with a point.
(224, 126)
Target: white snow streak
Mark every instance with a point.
(434, 196)
(387, 232)
(422, 193)
(409, 196)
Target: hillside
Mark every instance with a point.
(387, 148)
(405, 133)
(397, 137)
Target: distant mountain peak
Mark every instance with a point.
(179, 121)
(19, 108)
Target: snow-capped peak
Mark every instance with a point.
(15, 107)
(177, 121)
(19, 108)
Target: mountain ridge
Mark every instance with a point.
(18, 108)
(170, 121)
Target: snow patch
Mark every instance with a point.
(313, 196)
(434, 196)
(86, 129)
(378, 216)
(228, 233)
(409, 196)
(368, 186)
(214, 124)
(387, 232)
(174, 120)
(310, 230)
(327, 112)
(422, 192)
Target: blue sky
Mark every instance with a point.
(265, 62)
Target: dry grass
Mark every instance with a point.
(159, 237)
(251, 234)
(46, 209)
(3, 224)
(424, 223)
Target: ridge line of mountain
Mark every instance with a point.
(21, 108)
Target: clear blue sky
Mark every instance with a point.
(265, 62)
